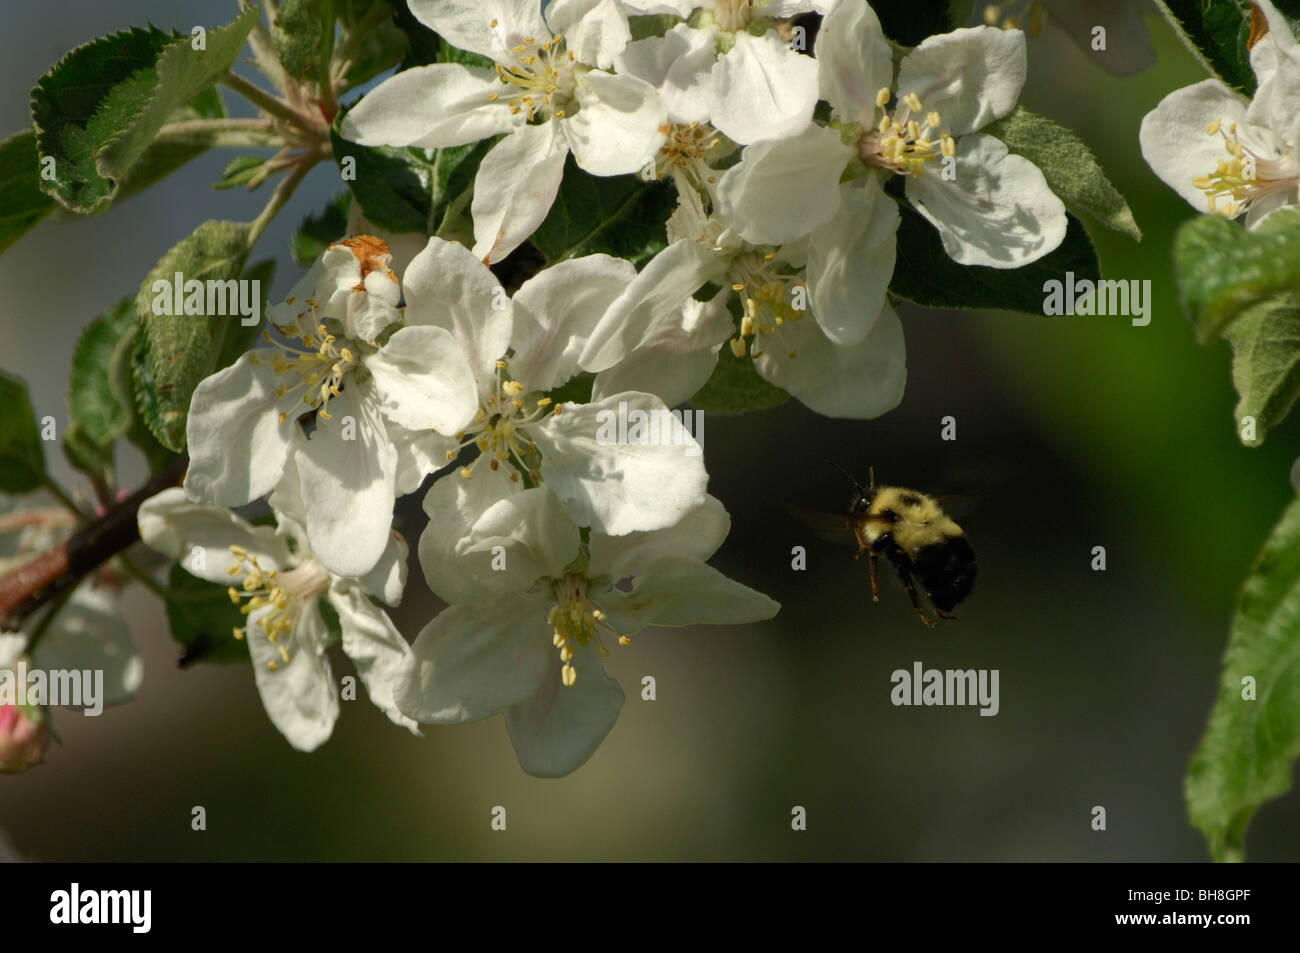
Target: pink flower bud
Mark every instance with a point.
(24, 736)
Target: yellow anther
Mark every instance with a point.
(568, 675)
(1212, 129)
(464, 471)
(882, 97)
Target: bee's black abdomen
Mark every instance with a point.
(947, 571)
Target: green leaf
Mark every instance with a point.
(22, 459)
(318, 232)
(184, 348)
(22, 203)
(203, 619)
(407, 189)
(1222, 268)
(1216, 31)
(1069, 166)
(99, 412)
(100, 107)
(300, 36)
(619, 215)
(239, 336)
(926, 275)
(1246, 754)
(736, 387)
(369, 39)
(1265, 341)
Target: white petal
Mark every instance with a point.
(677, 590)
(657, 293)
(236, 440)
(375, 646)
(851, 260)
(555, 312)
(419, 453)
(300, 695)
(698, 534)
(90, 633)
(677, 8)
(424, 381)
(619, 126)
(537, 536)
(487, 27)
(594, 30)
(387, 580)
(678, 356)
(447, 287)
(970, 76)
(473, 661)
(514, 188)
(998, 212)
(347, 472)
(762, 89)
(1173, 137)
(618, 488)
(199, 536)
(853, 61)
(783, 189)
(453, 505)
(560, 727)
(860, 382)
(434, 107)
(677, 64)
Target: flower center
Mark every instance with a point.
(733, 15)
(905, 139)
(769, 299)
(576, 620)
(500, 429)
(276, 598)
(317, 373)
(1011, 15)
(1245, 175)
(541, 79)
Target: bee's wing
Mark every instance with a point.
(836, 528)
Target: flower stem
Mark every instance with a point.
(283, 190)
(273, 105)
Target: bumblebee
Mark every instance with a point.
(910, 529)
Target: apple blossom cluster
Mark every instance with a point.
(548, 542)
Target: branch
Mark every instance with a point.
(58, 570)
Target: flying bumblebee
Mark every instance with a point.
(911, 530)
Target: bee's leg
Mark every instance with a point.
(943, 615)
(862, 545)
(871, 563)
(901, 564)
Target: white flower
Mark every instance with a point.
(522, 347)
(1224, 154)
(379, 409)
(279, 585)
(527, 640)
(992, 208)
(730, 67)
(550, 91)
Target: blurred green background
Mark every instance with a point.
(1103, 434)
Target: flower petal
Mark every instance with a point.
(424, 381)
(347, 471)
(762, 89)
(375, 646)
(657, 293)
(514, 188)
(853, 61)
(999, 211)
(781, 190)
(677, 590)
(237, 441)
(447, 287)
(300, 695)
(618, 488)
(677, 64)
(860, 382)
(851, 260)
(1173, 137)
(555, 312)
(488, 27)
(433, 107)
(970, 77)
(698, 534)
(473, 661)
(387, 581)
(199, 536)
(619, 126)
(556, 730)
(595, 31)
(535, 533)
(453, 505)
